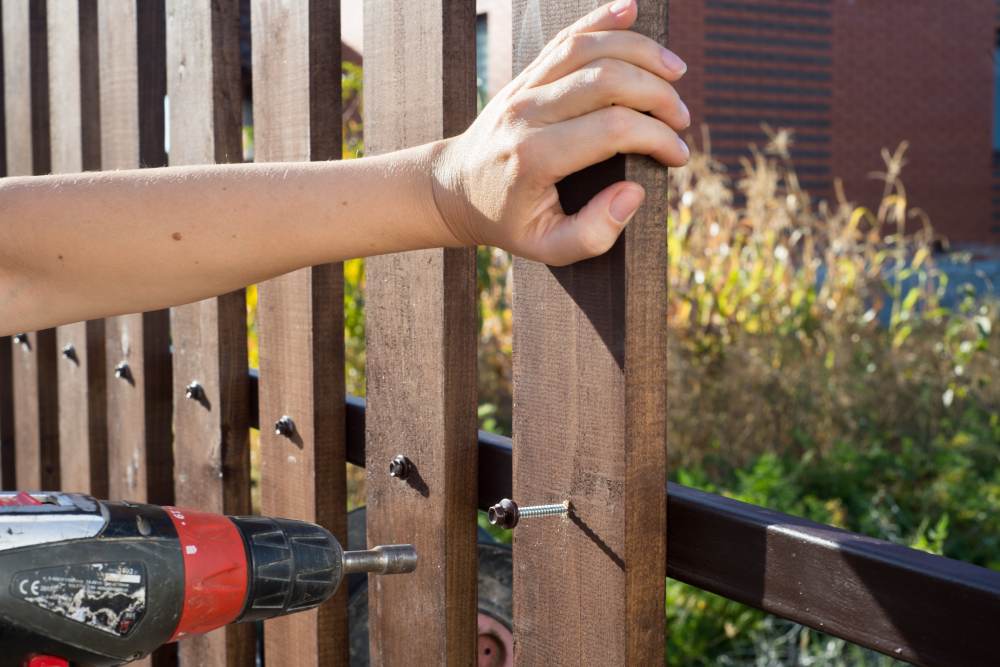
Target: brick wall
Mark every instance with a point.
(852, 76)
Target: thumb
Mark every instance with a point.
(593, 229)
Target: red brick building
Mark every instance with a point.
(850, 77)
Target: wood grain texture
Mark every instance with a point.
(26, 102)
(589, 415)
(421, 350)
(211, 433)
(296, 84)
(132, 56)
(75, 138)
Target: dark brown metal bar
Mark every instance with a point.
(908, 604)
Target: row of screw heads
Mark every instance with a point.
(193, 391)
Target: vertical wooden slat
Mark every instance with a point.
(421, 349)
(211, 432)
(589, 416)
(132, 86)
(75, 133)
(27, 132)
(132, 55)
(296, 84)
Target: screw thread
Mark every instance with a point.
(544, 510)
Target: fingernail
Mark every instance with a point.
(673, 61)
(684, 148)
(620, 7)
(625, 204)
(685, 114)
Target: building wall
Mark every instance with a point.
(851, 77)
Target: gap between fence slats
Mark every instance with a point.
(296, 84)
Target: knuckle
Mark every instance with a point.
(576, 46)
(618, 121)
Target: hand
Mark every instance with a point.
(580, 102)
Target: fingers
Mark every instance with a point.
(594, 228)
(579, 49)
(568, 147)
(618, 15)
(604, 83)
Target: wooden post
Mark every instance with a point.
(26, 105)
(75, 129)
(590, 415)
(296, 84)
(132, 53)
(420, 87)
(211, 432)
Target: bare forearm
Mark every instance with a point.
(102, 243)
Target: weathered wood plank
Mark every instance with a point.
(26, 102)
(589, 416)
(132, 56)
(211, 433)
(421, 350)
(75, 132)
(132, 85)
(296, 84)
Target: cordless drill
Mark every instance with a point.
(102, 583)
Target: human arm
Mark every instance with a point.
(88, 245)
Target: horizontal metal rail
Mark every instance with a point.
(907, 604)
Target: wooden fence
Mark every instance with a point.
(107, 407)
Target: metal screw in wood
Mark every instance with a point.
(507, 514)
(194, 391)
(22, 339)
(69, 352)
(400, 467)
(284, 426)
(123, 372)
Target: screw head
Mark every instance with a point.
(21, 339)
(122, 371)
(284, 426)
(400, 467)
(195, 391)
(69, 352)
(504, 514)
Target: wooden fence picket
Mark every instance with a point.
(7, 468)
(75, 139)
(296, 88)
(420, 86)
(589, 415)
(211, 432)
(132, 57)
(35, 400)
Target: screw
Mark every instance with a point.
(506, 513)
(400, 467)
(284, 426)
(69, 352)
(22, 339)
(123, 372)
(195, 391)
